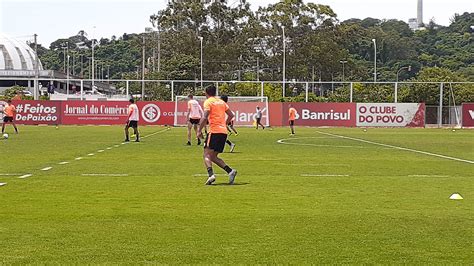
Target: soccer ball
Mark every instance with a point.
(5, 136)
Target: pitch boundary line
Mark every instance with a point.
(104, 174)
(323, 175)
(399, 148)
(283, 141)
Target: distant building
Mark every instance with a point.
(413, 23)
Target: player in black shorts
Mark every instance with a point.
(9, 112)
(230, 127)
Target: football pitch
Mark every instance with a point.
(324, 196)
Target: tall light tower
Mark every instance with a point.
(419, 16)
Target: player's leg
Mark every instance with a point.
(208, 163)
(232, 145)
(135, 131)
(233, 128)
(127, 137)
(189, 133)
(197, 136)
(3, 127)
(14, 126)
(259, 121)
(218, 144)
(292, 123)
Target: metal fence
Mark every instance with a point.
(443, 99)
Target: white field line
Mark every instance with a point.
(10, 174)
(207, 175)
(78, 158)
(158, 132)
(428, 175)
(315, 164)
(116, 146)
(109, 148)
(2, 184)
(400, 148)
(283, 141)
(25, 176)
(104, 174)
(323, 175)
(46, 168)
(100, 151)
(63, 163)
(90, 154)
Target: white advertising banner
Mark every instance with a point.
(390, 114)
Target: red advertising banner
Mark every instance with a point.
(163, 113)
(468, 114)
(390, 114)
(322, 114)
(37, 112)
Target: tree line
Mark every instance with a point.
(241, 44)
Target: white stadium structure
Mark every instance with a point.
(18, 67)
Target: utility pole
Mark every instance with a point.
(143, 68)
(284, 60)
(258, 70)
(36, 83)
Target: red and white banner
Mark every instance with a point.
(390, 114)
(322, 114)
(37, 112)
(163, 113)
(113, 113)
(468, 114)
(94, 112)
(156, 113)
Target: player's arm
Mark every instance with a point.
(130, 112)
(230, 116)
(203, 122)
(189, 111)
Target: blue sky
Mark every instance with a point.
(53, 19)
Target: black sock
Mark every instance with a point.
(210, 172)
(227, 169)
(228, 142)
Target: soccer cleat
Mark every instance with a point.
(210, 180)
(199, 142)
(232, 176)
(126, 140)
(232, 146)
(137, 140)
(189, 143)
(236, 134)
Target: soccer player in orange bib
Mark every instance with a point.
(9, 112)
(292, 118)
(215, 111)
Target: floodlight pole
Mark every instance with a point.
(201, 39)
(375, 60)
(284, 60)
(36, 82)
(67, 76)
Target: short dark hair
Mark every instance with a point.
(258, 107)
(211, 90)
(9, 101)
(225, 98)
(190, 96)
(132, 100)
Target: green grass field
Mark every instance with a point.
(315, 198)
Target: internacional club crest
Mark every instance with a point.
(151, 113)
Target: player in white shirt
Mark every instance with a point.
(195, 114)
(132, 121)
